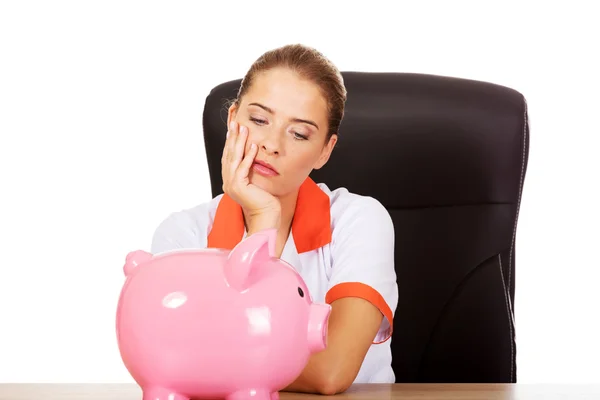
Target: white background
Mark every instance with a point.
(101, 138)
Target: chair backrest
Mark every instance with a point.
(447, 157)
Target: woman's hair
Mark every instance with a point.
(310, 64)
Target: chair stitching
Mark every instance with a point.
(512, 244)
(511, 320)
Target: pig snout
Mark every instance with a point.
(317, 327)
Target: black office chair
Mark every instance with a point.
(447, 157)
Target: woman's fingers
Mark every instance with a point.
(238, 147)
(244, 168)
(230, 140)
(232, 135)
(233, 159)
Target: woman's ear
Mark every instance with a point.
(231, 114)
(326, 152)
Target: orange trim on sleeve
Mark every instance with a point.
(366, 292)
(311, 226)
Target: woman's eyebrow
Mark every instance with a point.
(270, 110)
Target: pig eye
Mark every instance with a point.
(300, 292)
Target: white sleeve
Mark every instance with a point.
(181, 230)
(362, 251)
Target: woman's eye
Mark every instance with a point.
(257, 121)
(298, 136)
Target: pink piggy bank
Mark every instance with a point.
(210, 323)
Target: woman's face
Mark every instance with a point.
(286, 117)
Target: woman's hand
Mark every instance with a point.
(261, 209)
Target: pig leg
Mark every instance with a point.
(160, 393)
(252, 394)
(275, 396)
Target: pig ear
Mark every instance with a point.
(134, 259)
(248, 255)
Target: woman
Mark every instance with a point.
(283, 124)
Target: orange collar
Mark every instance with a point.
(311, 226)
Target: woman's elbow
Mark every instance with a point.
(331, 389)
(332, 384)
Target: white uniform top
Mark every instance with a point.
(341, 243)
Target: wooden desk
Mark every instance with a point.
(357, 392)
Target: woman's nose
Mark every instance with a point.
(269, 142)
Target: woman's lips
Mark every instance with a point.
(264, 168)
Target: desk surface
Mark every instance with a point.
(357, 392)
